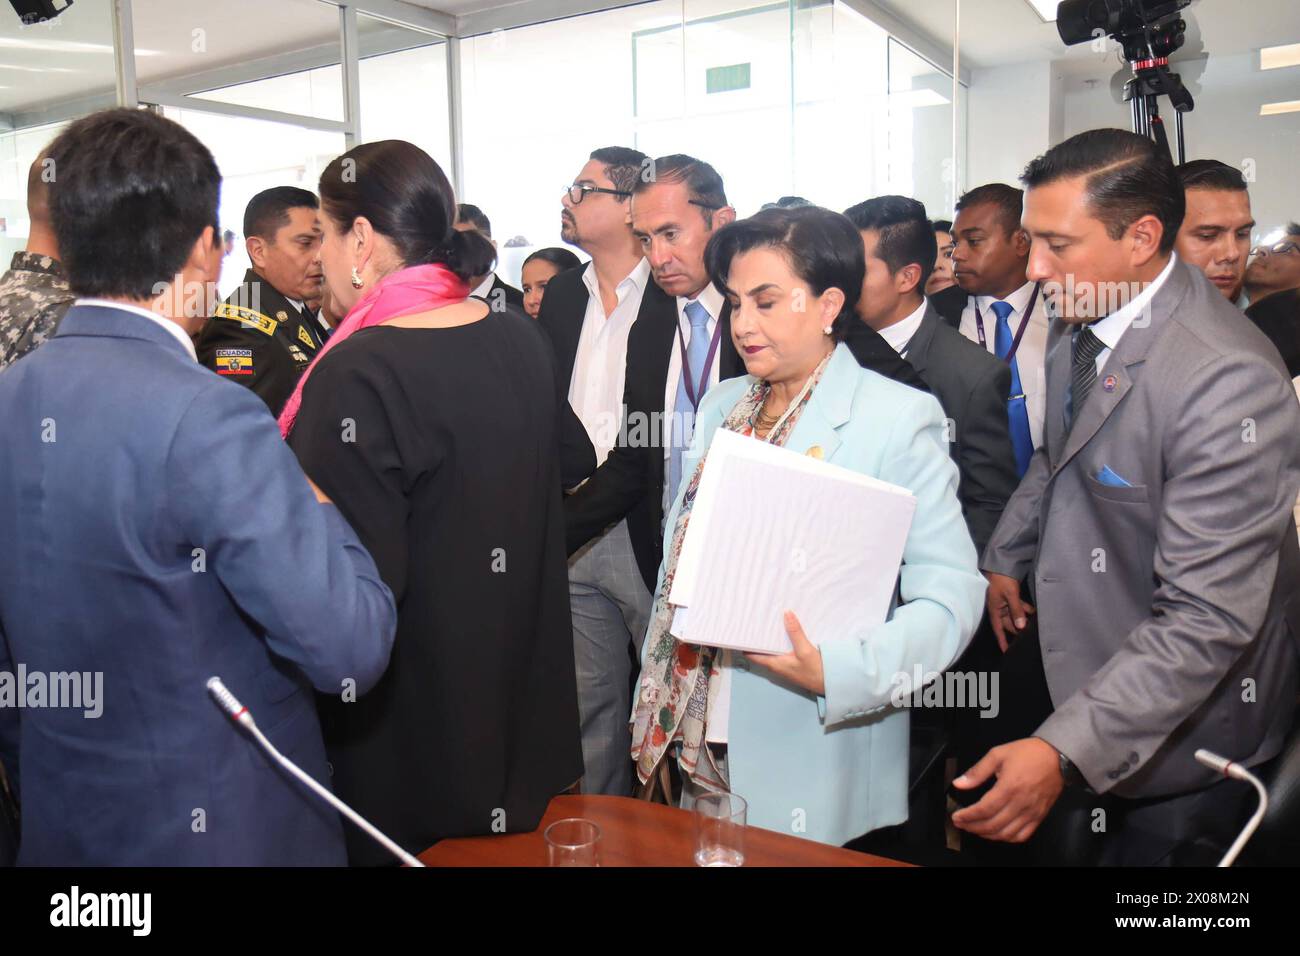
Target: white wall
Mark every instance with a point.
(1225, 125)
(1011, 113)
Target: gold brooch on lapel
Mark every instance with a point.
(815, 452)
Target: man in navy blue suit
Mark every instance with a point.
(158, 532)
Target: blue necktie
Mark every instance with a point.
(1022, 440)
(683, 425)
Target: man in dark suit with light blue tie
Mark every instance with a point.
(157, 533)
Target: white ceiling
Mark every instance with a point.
(998, 32)
(73, 56)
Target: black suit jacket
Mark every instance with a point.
(631, 481)
(577, 456)
(950, 303)
(972, 386)
(513, 296)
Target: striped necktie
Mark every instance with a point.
(1084, 349)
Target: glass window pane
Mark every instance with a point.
(286, 155)
(18, 150)
(65, 61)
(920, 130)
(282, 56)
(396, 59)
(531, 115)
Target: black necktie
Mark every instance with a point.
(1085, 349)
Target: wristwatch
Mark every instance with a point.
(1070, 773)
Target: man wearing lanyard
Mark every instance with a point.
(1004, 313)
(672, 364)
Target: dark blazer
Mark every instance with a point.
(950, 303)
(625, 491)
(259, 339)
(165, 535)
(577, 456)
(513, 296)
(630, 483)
(1278, 317)
(972, 386)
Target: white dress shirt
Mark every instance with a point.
(1031, 355)
(1113, 326)
(900, 333)
(600, 364)
(484, 287)
(172, 328)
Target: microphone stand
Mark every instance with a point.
(240, 715)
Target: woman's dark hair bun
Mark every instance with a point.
(407, 198)
(467, 252)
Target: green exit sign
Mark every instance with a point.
(724, 79)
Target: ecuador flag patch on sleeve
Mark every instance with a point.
(234, 361)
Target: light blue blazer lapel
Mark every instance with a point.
(829, 407)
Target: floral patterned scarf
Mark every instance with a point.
(676, 694)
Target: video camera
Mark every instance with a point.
(1149, 31)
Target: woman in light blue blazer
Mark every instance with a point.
(814, 740)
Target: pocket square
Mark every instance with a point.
(1108, 477)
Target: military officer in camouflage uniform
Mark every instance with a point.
(34, 293)
(264, 335)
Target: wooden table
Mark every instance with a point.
(636, 833)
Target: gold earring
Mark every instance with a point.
(356, 278)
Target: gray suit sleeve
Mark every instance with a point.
(1014, 543)
(987, 458)
(1232, 470)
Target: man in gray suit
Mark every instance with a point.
(971, 385)
(1155, 523)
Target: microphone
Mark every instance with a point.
(1237, 772)
(240, 715)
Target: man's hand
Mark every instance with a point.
(1007, 613)
(1029, 782)
(802, 667)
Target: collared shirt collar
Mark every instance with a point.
(901, 332)
(30, 262)
(1019, 299)
(1113, 326)
(637, 279)
(709, 297)
(175, 330)
(483, 288)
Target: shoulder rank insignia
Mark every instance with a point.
(246, 317)
(305, 337)
(234, 361)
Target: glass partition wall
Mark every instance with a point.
(833, 100)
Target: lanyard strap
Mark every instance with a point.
(1024, 324)
(692, 392)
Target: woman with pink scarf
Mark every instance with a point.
(433, 423)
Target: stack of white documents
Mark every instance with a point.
(775, 530)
